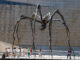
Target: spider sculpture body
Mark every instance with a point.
(47, 19)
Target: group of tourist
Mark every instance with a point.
(18, 52)
(21, 52)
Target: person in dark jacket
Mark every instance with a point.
(4, 55)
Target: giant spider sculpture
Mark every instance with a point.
(43, 22)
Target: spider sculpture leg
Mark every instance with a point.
(32, 23)
(50, 29)
(66, 27)
(67, 30)
(33, 44)
(13, 37)
(15, 31)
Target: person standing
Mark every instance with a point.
(30, 51)
(9, 51)
(14, 51)
(69, 52)
(4, 55)
(6, 52)
(40, 50)
(18, 52)
(22, 52)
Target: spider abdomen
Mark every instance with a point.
(43, 25)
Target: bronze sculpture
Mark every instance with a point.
(43, 22)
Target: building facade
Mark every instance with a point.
(10, 14)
